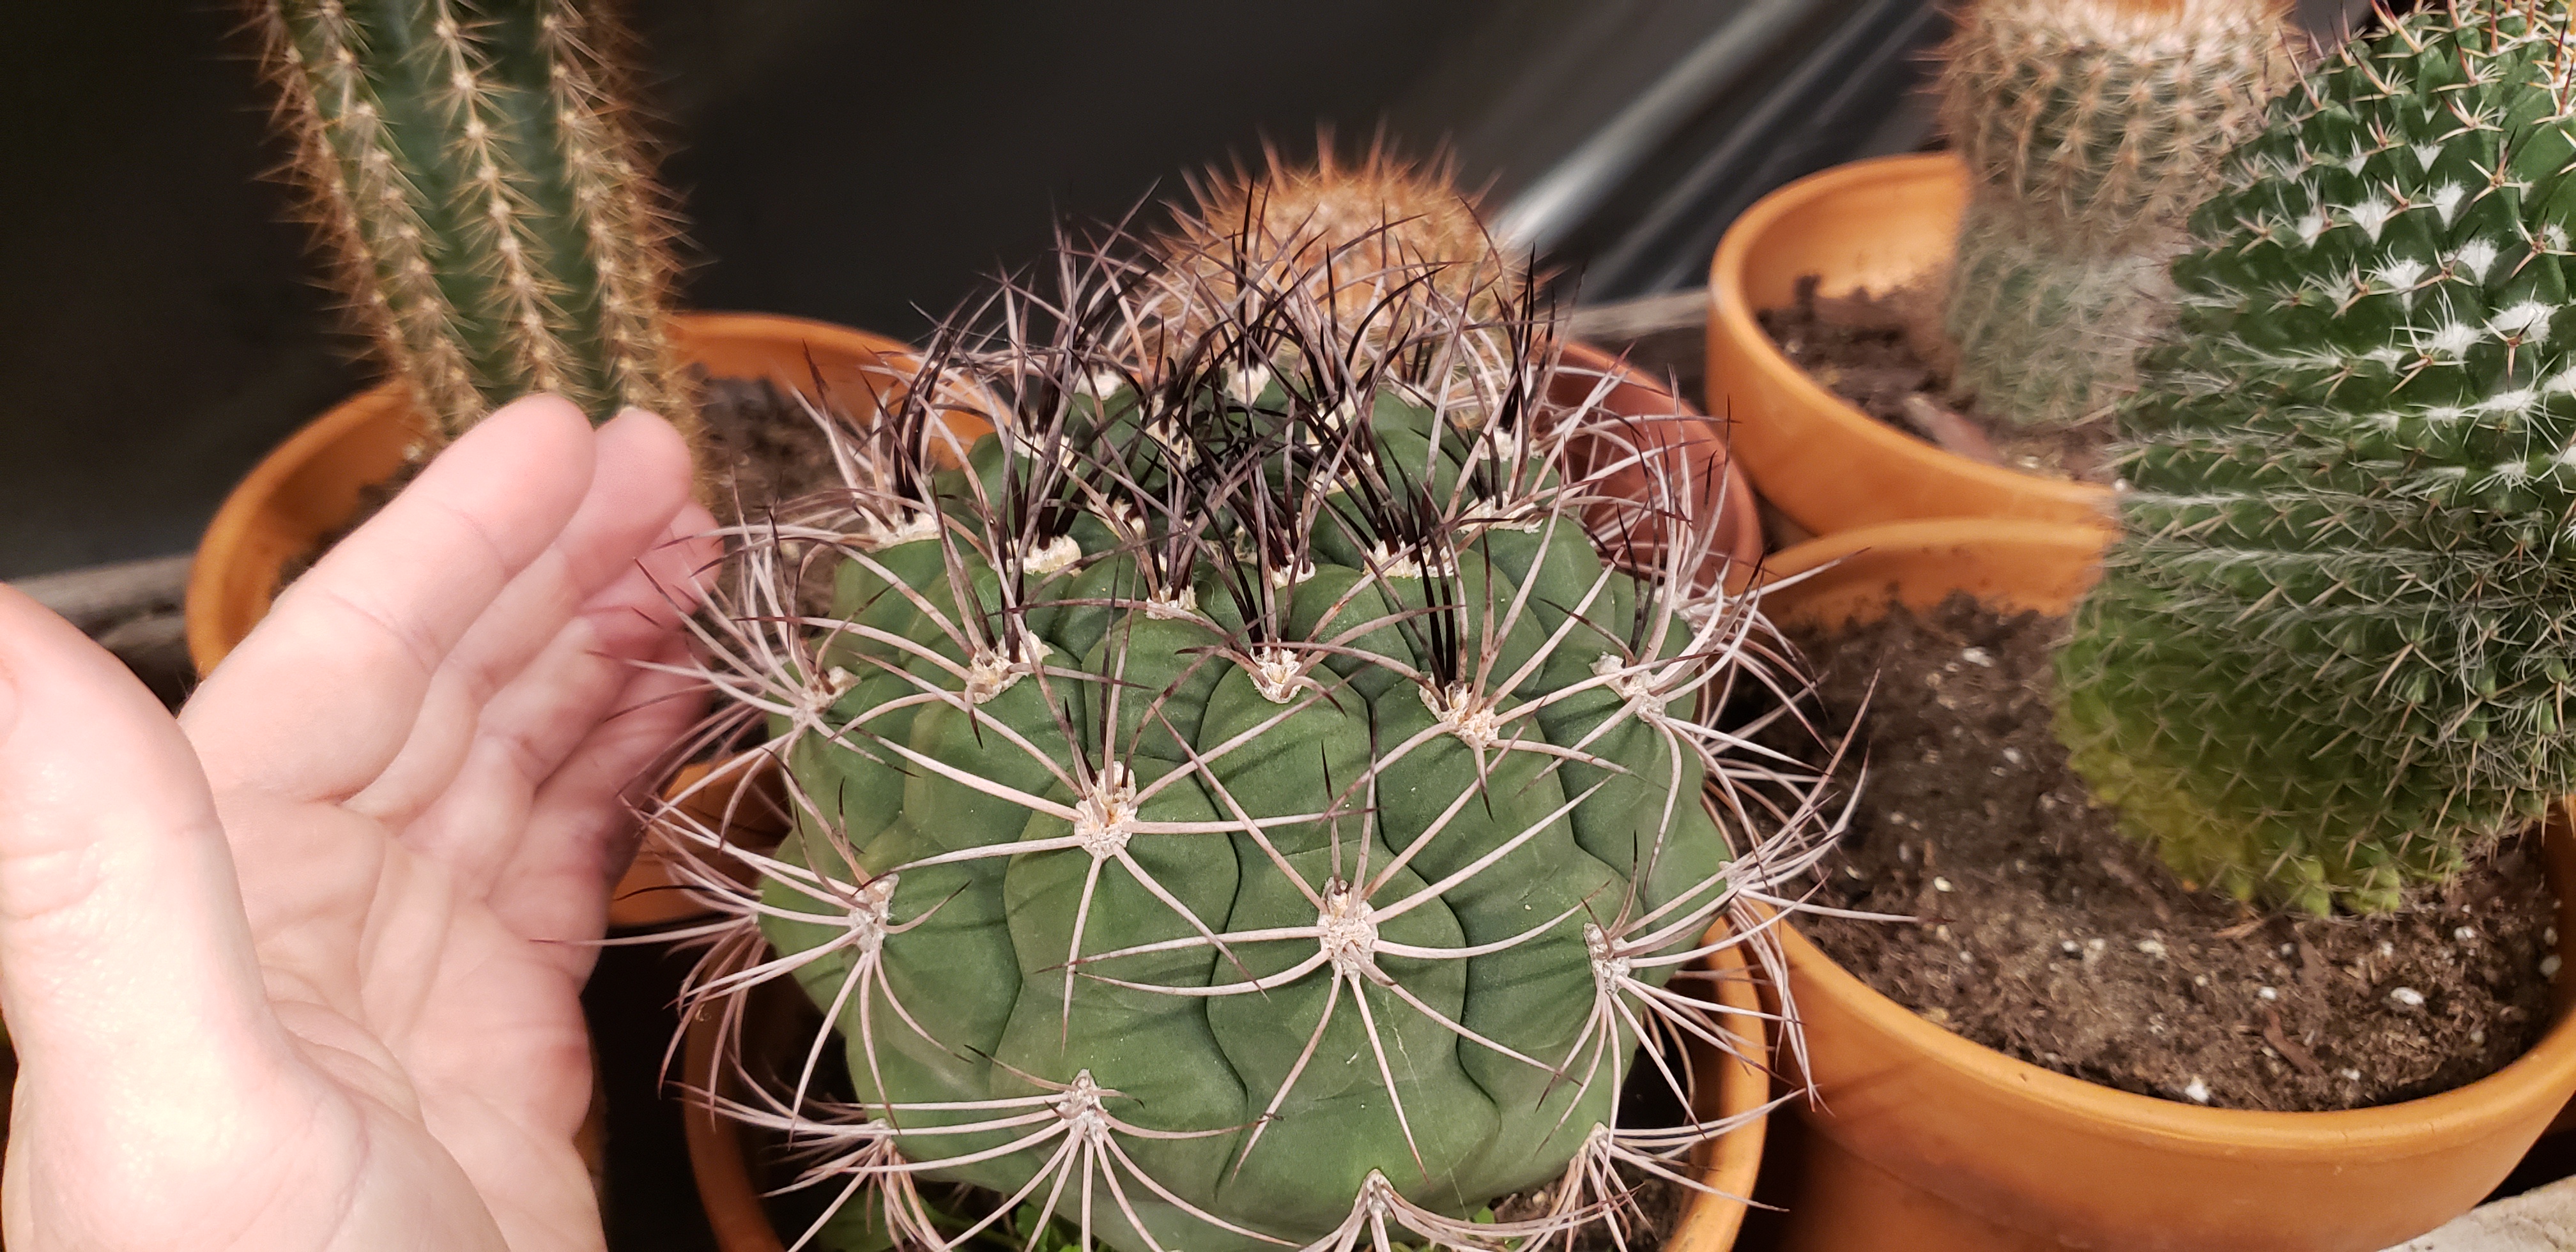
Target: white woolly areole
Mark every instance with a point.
(1168, 608)
(1285, 576)
(2447, 198)
(872, 914)
(1634, 684)
(1052, 557)
(2370, 215)
(2475, 258)
(990, 672)
(823, 694)
(874, 534)
(2450, 338)
(1346, 932)
(1278, 674)
(1466, 713)
(1106, 815)
(2527, 320)
(1610, 963)
(1387, 561)
(1085, 1119)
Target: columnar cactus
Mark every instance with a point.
(2090, 129)
(1238, 805)
(492, 216)
(2332, 654)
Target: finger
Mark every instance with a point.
(126, 968)
(353, 644)
(640, 480)
(582, 831)
(531, 726)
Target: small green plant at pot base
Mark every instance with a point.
(1240, 805)
(472, 170)
(2330, 657)
(2090, 129)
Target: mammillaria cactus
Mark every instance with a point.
(2332, 654)
(1237, 805)
(472, 170)
(2091, 129)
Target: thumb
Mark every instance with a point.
(126, 968)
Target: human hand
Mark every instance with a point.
(302, 970)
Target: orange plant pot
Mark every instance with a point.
(1928, 1142)
(1878, 224)
(731, 1182)
(1695, 449)
(309, 486)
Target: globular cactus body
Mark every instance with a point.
(1239, 804)
(2331, 656)
(2090, 129)
(489, 209)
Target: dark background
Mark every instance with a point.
(851, 160)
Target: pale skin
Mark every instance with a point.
(299, 969)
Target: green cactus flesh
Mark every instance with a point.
(490, 211)
(1255, 800)
(2090, 129)
(2331, 654)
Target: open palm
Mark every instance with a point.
(301, 970)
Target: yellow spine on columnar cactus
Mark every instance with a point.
(472, 170)
(2090, 129)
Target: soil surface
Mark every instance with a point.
(762, 447)
(2040, 931)
(1887, 355)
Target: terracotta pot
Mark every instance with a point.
(749, 804)
(1931, 1143)
(1878, 224)
(310, 485)
(1695, 446)
(731, 1181)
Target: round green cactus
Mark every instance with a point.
(2090, 129)
(1241, 804)
(2331, 656)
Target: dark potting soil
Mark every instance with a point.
(2044, 933)
(1888, 356)
(762, 447)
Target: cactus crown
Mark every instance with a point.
(2331, 655)
(473, 171)
(2090, 129)
(1238, 805)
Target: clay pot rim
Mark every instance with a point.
(2383, 1130)
(211, 631)
(1708, 1223)
(1738, 503)
(1732, 313)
